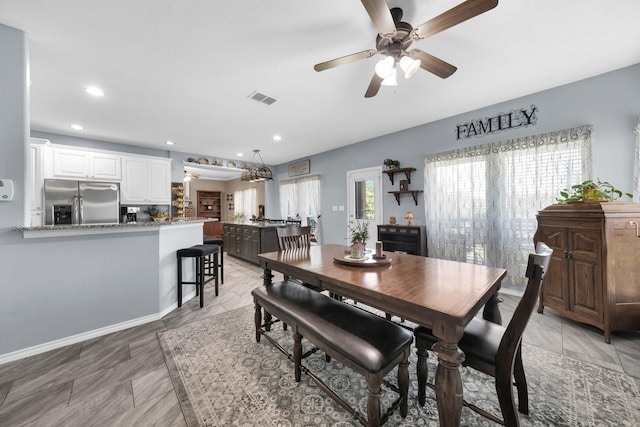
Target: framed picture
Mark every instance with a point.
(300, 168)
(404, 185)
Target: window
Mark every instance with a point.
(300, 197)
(245, 202)
(481, 202)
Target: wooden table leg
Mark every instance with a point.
(266, 281)
(491, 310)
(448, 382)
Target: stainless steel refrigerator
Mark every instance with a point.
(81, 202)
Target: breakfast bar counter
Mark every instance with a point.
(129, 227)
(91, 280)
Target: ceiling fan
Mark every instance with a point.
(395, 37)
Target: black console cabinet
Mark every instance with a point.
(411, 239)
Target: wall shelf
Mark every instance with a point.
(407, 172)
(414, 193)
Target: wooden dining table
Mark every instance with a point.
(440, 294)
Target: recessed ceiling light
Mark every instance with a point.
(239, 154)
(277, 137)
(170, 143)
(76, 127)
(95, 91)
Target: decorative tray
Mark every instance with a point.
(368, 261)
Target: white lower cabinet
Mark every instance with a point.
(146, 181)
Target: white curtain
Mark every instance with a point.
(245, 202)
(481, 202)
(636, 165)
(300, 197)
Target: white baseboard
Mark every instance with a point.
(52, 345)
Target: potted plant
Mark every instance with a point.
(359, 236)
(392, 164)
(591, 190)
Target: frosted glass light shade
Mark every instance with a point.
(410, 66)
(385, 67)
(392, 79)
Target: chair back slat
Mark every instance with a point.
(536, 268)
(293, 237)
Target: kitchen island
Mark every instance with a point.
(72, 283)
(247, 240)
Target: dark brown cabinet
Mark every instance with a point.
(246, 241)
(411, 239)
(594, 274)
(209, 204)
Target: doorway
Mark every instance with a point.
(364, 192)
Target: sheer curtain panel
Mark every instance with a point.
(300, 197)
(245, 202)
(481, 202)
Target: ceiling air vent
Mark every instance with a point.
(262, 98)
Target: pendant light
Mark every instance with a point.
(257, 173)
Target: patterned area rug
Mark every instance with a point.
(223, 378)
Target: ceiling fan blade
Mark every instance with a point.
(380, 15)
(432, 64)
(453, 16)
(345, 60)
(374, 86)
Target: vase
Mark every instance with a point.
(357, 252)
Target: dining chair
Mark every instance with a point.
(293, 237)
(493, 349)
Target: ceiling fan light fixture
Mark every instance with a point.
(410, 66)
(392, 80)
(385, 67)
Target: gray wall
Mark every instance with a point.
(610, 102)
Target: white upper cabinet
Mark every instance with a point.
(70, 163)
(83, 164)
(146, 180)
(105, 166)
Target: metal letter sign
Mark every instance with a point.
(510, 120)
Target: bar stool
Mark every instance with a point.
(220, 242)
(200, 253)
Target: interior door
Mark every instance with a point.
(364, 192)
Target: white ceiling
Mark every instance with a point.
(183, 70)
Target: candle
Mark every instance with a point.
(378, 249)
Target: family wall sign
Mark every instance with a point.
(504, 121)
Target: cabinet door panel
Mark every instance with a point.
(106, 166)
(555, 289)
(70, 163)
(587, 290)
(585, 244)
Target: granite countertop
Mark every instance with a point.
(113, 227)
(258, 224)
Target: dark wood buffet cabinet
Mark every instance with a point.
(411, 239)
(594, 273)
(246, 241)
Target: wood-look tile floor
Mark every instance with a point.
(121, 379)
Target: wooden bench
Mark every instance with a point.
(364, 342)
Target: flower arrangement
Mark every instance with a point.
(357, 250)
(409, 217)
(359, 233)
